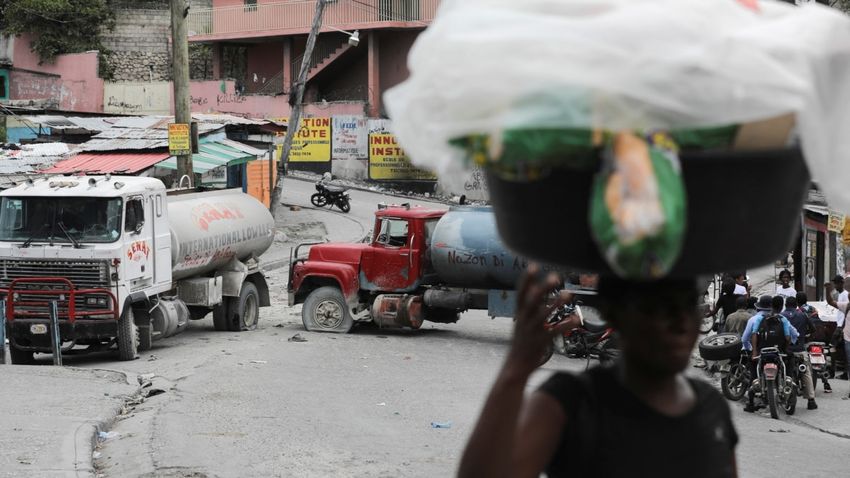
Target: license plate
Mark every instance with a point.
(38, 329)
(817, 359)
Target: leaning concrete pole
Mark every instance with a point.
(180, 75)
(298, 91)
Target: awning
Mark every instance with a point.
(112, 163)
(212, 155)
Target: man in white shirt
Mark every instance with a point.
(839, 298)
(784, 288)
(740, 287)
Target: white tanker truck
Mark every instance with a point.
(127, 262)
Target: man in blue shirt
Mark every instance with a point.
(791, 335)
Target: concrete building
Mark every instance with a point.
(260, 44)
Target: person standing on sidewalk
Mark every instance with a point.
(784, 288)
(805, 328)
(741, 285)
(838, 299)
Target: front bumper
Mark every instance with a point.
(20, 332)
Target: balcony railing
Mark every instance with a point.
(296, 16)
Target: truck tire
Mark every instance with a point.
(128, 336)
(325, 310)
(220, 315)
(145, 338)
(243, 312)
(21, 357)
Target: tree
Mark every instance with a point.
(843, 5)
(58, 26)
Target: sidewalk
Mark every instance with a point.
(51, 417)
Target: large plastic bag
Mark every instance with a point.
(486, 66)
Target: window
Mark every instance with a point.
(393, 233)
(3, 87)
(135, 215)
(69, 219)
(250, 5)
(158, 205)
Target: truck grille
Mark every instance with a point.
(83, 274)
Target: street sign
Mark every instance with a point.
(179, 139)
(836, 222)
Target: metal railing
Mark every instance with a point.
(297, 16)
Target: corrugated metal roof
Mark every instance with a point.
(243, 147)
(64, 123)
(108, 163)
(226, 119)
(121, 138)
(210, 156)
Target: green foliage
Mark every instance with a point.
(2, 129)
(58, 26)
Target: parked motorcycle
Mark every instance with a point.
(331, 195)
(775, 384)
(595, 339)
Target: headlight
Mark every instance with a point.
(98, 301)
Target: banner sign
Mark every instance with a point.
(350, 137)
(387, 161)
(179, 139)
(312, 141)
(836, 222)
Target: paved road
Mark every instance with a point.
(361, 404)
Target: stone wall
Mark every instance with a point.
(140, 47)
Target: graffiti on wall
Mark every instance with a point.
(137, 98)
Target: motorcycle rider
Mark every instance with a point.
(805, 328)
(812, 313)
(755, 329)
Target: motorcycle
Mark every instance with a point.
(593, 339)
(723, 353)
(329, 195)
(774, 383)
(820, 361)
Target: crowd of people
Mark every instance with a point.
(796, 322)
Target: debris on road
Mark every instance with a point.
(441, 424)
(280, 326)
(296, 338)
(779, 430)
(261, 362)
(103, 436)
(382, 404)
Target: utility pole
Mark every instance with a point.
(296, 102)
(180, 75)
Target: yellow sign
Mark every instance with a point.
(846, 234)
(312, 141)
(836, 222)
(179, 139)
(387, 161)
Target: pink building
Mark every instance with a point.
(260, 44)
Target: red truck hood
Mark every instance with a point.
(341, 253)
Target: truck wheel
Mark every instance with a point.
(244, 311)
(220, 315)
(21, 357)
(325, 310)
(128, 336)
(145, 338)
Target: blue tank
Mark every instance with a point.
(466, 251)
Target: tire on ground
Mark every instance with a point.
(325, 310)
(128, 336)
(243, 312)
(720, 347)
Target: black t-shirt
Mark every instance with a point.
(611, 433)
(728, 304)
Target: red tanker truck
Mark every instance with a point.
(420, 264)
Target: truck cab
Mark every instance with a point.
(337, 283)
(88, 243)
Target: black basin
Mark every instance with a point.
(743, 211)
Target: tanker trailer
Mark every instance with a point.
(421, 264)
(126, 262)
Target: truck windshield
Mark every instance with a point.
(60, 219)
